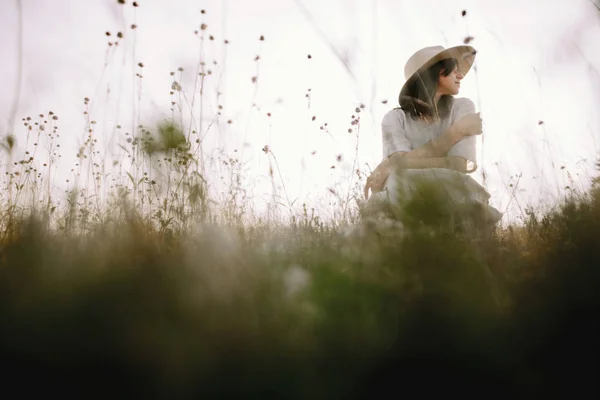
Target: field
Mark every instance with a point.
(147, 282)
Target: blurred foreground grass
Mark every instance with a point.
(303, 311)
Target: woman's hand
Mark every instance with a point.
(468, 125)
(459, 164)
(377, 179)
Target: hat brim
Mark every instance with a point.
(465, 55)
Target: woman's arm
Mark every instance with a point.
(431, 154)
(400, 155)
(457, 163)
(376, 180)
(437, 147)
(466, 126)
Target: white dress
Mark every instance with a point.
(402, 133)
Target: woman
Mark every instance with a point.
(431, 137)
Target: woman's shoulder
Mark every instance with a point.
(462, 103)
(394, 116)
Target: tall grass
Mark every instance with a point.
(302, 311)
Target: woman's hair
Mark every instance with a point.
(417, 99)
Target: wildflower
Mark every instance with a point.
(10, 141)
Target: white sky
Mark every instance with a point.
(536, 62)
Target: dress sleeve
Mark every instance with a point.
(394, 133)
(467, 146)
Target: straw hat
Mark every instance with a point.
(428, 56)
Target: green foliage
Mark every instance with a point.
(304, 311)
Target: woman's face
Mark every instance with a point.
(450, 84)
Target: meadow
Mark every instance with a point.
(146, 282)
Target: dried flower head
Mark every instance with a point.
(10, 141)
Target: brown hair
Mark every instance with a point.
(417, 99)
